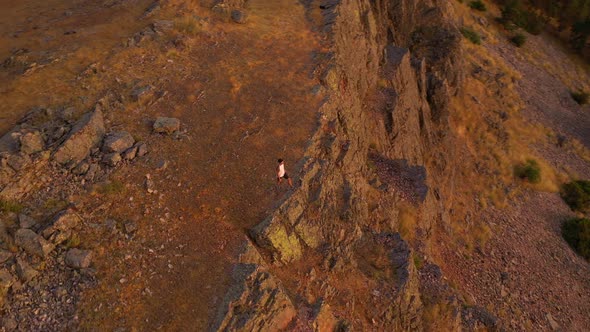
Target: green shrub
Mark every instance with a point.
(577, 195)
(518, 40)
(581, 97)
(514, 13)
(478, 5)
(471, 35)
(576, 233)
(529, 171)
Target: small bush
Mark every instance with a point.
(576, 233)
(478, 5)
(471, 35)
(530, 171)
(9, 206)
(577, 195)
(518, 40)
(112, 188)
(581, 97)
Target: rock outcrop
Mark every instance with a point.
(392, 69)
(86, 134)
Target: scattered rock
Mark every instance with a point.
(6, 282)
(86, 134)
(238, 16)
(142, 149)
(117, 142)
(554, 325)
(62, 226)
(26, 221)
(112, 159)
(78, 259)
(149, 184)
(162, 165)
(130, 227)
(166, 125)
(142, 92)
(32, 243)
(81, 169)
(130, 153)
(152, 9)
(24, 271)
(9, 324)
(31, 142)
(5, 256)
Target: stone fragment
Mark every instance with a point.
(112, 159)
(142, 92)
(26, 221)
(24, 271)
(130, 153)
(18, 161)
(32, 243)
(238, 16)
(554, 325)
(5, 255)
(31, 142)
(166, 125)
(9, 324)
(6, 282)
(78, 259)
(117, 142)
(61, 228)
(86, 134)
(130, 227)
(142, 149)
(81, 169)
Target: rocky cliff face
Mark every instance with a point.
(380, 151)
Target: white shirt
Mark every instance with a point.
(281, 170)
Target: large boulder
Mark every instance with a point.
(117, 142)
(86, 134)
(32, 243)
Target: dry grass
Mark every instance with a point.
(407, 219)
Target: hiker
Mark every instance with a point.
(281, 174)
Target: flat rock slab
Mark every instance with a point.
(166, 125)
(86, 134)
(117, 142)
(33, 243)
(78, 259)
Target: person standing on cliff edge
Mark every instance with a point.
(282, 174)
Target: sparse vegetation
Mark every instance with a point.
(515, 13)
(471, 35)
(10, 206)
(581, 97)
(577, 195)
(478, 5)
(519, 39)
(112, 187)
(529, 171)
(188, 25)
(576, 232)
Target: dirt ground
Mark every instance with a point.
(245, 96)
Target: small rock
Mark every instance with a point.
(130, 227)
(112, 159)
(9, 324)
(117, 142)
(238, 16)
(142, 149)
(78, 259)
(26, 221)
(166, 125)
(130, 153)
(142, 92)
(554, 325)
(18, 161)
(149, 184)
(32, 243)
(32, 142)
(6, 280)
(86, 134)
(152, 9)
(162, 165)
(24, 271)
(5, 256)
(81, 169)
